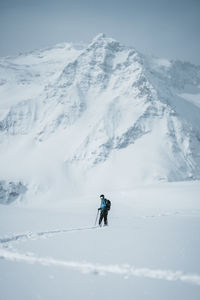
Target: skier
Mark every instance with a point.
(104, 208)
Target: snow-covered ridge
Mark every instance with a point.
(69, 113)
(91, 268)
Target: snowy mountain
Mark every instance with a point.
(103, 116)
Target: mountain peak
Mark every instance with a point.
(102, 40)
(99, 36)
(97, 111)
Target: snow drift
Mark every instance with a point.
(102, 116)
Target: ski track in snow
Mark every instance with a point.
(86, 267)
(99, 269)
(32, 235)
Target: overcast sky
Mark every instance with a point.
(166, 28)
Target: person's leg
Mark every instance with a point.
(105, 218)
(100, 218)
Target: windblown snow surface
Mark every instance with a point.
(150, 250)
(80, 120)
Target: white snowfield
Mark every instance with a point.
(80, 120)
(124, 270)
(150, 250)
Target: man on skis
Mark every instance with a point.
(104, 208)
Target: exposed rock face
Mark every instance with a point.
(11, 191)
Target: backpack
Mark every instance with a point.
(108, 204)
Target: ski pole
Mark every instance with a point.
(96, 217)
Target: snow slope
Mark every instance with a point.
(150, 250)
(75, 118)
